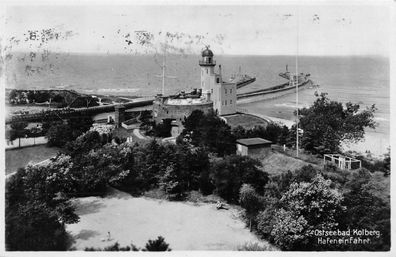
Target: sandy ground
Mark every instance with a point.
(185, 226)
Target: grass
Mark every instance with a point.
(276, 163)
(245, 120)
(20, 157)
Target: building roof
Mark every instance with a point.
(253, 141)
(207, 52)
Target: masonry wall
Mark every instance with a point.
(177, 112)
(225, 98)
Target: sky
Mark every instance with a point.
(233, 30)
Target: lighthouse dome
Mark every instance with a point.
(207, 53)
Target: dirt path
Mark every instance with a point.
(185, 226)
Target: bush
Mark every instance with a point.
(208, 131)
(37, 207)
(163, 129)
(157, 245)
(230, 173)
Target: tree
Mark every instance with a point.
(250, 200)
(83, 144)
(387, 160)
(58, 134)
(228, 175)
(273, 132)
(171, 183)
(367, 204)
(208, 131)
(18, 130)
(12, 95)
(37, 207)
(327, 123)
(33, 226)
(306, 207)
(163, 129)
(79, 124)
(157, 245)
(305, 174)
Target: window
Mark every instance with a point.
(225, 91)
(206, 70)
(218, 80)
(231, 91)
(230, 101)
(211, 90)
(225, 102)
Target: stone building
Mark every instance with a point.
(213, 94)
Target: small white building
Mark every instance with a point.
(253, 146)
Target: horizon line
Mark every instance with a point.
(236, 55)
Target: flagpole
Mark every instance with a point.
(163, 72)
(296, 81)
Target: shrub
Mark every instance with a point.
(157, 245)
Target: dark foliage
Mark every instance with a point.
(37, 209)
(327, 123)
(230, 173)
(163, 129)
(60, 133)
(157, 245)
(208, 131)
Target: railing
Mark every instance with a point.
(212, 63)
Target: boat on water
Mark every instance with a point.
(294, 81)
(241, 79)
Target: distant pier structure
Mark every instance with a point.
(213, 94)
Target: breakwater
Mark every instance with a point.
(56, 114)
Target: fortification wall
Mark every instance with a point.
(177, 112)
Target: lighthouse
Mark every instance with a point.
(214, 89)
(208, 75)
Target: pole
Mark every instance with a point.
(296, 81)
(163, 71)
(163, 74)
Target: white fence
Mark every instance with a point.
(21, 142)
(342, 162)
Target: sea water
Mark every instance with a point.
(363, 80)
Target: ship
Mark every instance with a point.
(294, 81)
(241, 79)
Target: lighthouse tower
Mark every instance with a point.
(208, 75)
(214, 89)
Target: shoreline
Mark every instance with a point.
(377, 145)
